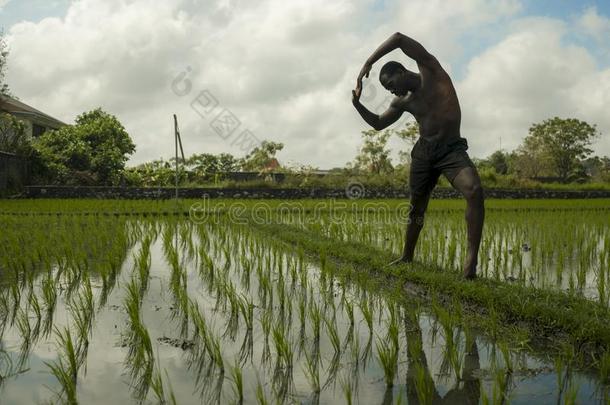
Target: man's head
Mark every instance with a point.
(397, 79)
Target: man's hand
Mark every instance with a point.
(356, 96)
(364, 72)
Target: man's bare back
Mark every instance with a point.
(431, 98)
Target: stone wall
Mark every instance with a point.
(286, 193)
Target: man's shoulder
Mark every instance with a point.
(433, 71)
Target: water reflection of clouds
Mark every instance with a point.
(231, 250)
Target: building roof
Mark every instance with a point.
(22, 110)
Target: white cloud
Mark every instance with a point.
(3, 3)
(284, 68)
(594, 24)
(530, 76)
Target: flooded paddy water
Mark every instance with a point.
(125, 309)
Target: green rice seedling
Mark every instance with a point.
(65, 369)
(158, 387)
(333, 335)
(34, 304)
(604, 366)
(312, 371)
(355, 352)
(140, 358)
(303, 276)
(302, 308)
(506, 356)
(387, 354)
(25, 332)
(143, 262)
(246, 266)
(315, 317)
(247, 310)
(213, 391)
(393, 330)
(294, 272)
(424, 386)
(236, 377)
(266, 321)
(347, 387)
(261, 398)
(283, 349)
(235, 308)
(399, 399)
(282, 373)
(82, 310)
(4, 310)
(571, 393)
(601, 287)
(367, 352)
(204, 348)
(349, 336)
(74, 276)
(216, 352)
(484, 398)
(16, 298)
(367, 314)
(349, 310)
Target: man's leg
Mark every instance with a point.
(422, 180)
(468, 183)
(419, 204)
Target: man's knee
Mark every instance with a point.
(473, 191)
(419, 203)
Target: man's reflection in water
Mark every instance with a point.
(466, 391)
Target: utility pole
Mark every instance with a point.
(178, 141)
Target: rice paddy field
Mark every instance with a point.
(275, 302)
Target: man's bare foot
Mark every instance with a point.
(400, 260)
(470, 275)
(470, 267)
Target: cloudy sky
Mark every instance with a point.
(237, 72)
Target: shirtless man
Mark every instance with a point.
(431, 98)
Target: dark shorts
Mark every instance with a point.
(431, 158)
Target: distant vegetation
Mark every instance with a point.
(94, 151)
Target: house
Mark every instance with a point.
(272, 165)
(35, 120)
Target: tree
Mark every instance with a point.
(13, 136)
(374, 155)
(203, 163)
(207, 163)
(408, 134)
(597, 167)
(4, 89)
(530, 159)
(499, 162)
(564, 141)
(227, 163)
(96, 147)
(261, 157)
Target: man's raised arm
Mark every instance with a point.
(378, 122)
(409, 46)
